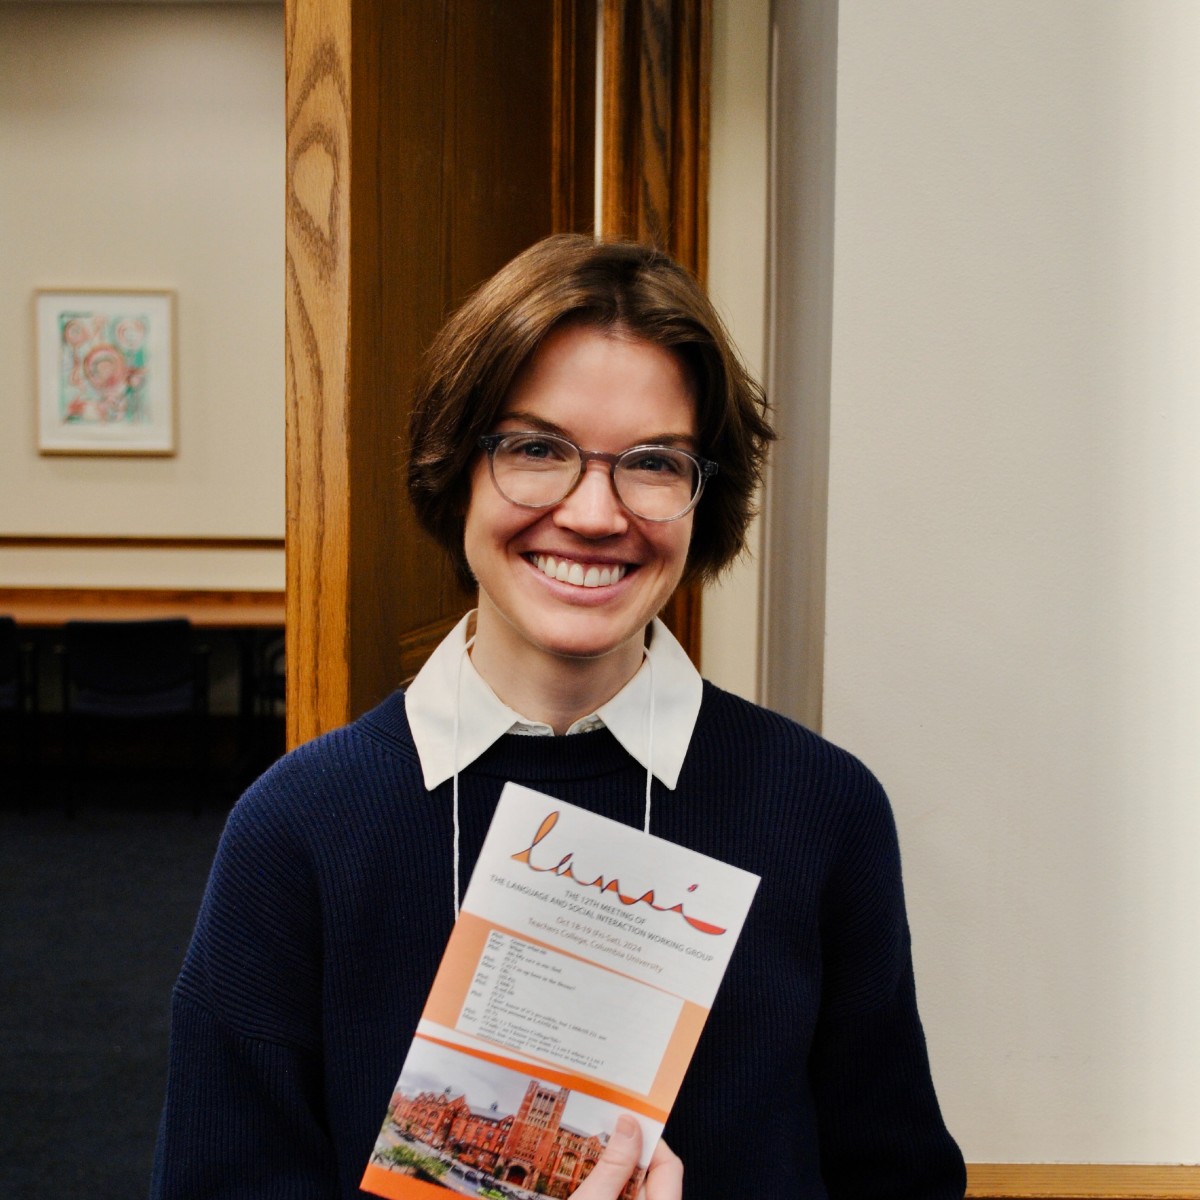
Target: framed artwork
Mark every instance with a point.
(105, 372)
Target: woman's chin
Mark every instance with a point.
(574, 634)
(584, 644)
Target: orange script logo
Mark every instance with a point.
(563, 869)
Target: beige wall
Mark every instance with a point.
(144, 147)
(1013, 590)
(737, 282)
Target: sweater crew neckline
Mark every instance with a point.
(584, 755)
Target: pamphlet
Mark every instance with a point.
(574, 987)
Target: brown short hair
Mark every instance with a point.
(571, 278)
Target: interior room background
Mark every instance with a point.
(960, 239)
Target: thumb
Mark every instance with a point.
(614, 1167)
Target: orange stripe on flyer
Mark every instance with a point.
(394, 1186)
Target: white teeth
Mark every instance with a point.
(567, 571)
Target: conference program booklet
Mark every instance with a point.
(574, 987)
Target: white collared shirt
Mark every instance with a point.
(449, 683)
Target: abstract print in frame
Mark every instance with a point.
(106, 372)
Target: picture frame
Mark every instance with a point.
(105, 371)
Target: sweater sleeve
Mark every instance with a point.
(881, 1131)
(243, 1115)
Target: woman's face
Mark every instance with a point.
(605, 392)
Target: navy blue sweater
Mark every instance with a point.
(330, 903)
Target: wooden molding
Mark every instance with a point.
(657, 68)
(397, 205)
(49, 608)
(1081, 1181)
(573, 133)
(657, 71)
(428, 142)
(317, 53)
(100, 541)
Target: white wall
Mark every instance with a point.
(144, 147)
(737, 260)
(1013, 588)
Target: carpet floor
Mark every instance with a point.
(95, 916)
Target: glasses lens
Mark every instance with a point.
(535, 469)
(656, 482)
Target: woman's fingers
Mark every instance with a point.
(614, 1167)
(664, 1177)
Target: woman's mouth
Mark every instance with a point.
(581, 574)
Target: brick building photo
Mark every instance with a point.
(531, 1149)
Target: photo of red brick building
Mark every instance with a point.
(531, 1149)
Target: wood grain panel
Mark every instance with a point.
(1076, 1181)
(573, 147)
(657, 66)
(398, 296)
(691, 83)
(474, 138)
(428, 142)
(319, 58)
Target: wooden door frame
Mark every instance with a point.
(343, 647)
(657, 83)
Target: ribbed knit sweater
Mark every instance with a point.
(330, 903)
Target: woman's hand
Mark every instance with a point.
(664, 1177)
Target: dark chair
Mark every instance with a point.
(11, 674)
(270, 697)
(131, 673)
(18, 713)
(270, 678)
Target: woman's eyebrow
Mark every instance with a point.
(528, 420)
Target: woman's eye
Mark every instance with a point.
(536, 450)
(655, 463)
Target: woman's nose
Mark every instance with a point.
(592, 509)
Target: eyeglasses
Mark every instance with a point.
(539, 470)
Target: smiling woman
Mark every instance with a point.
(612, 347)
(631, 294)
(584, 438)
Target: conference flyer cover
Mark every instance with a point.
(576, 982)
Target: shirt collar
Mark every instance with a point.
(449, 676)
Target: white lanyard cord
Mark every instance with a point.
(650, 747)
(462, 658)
